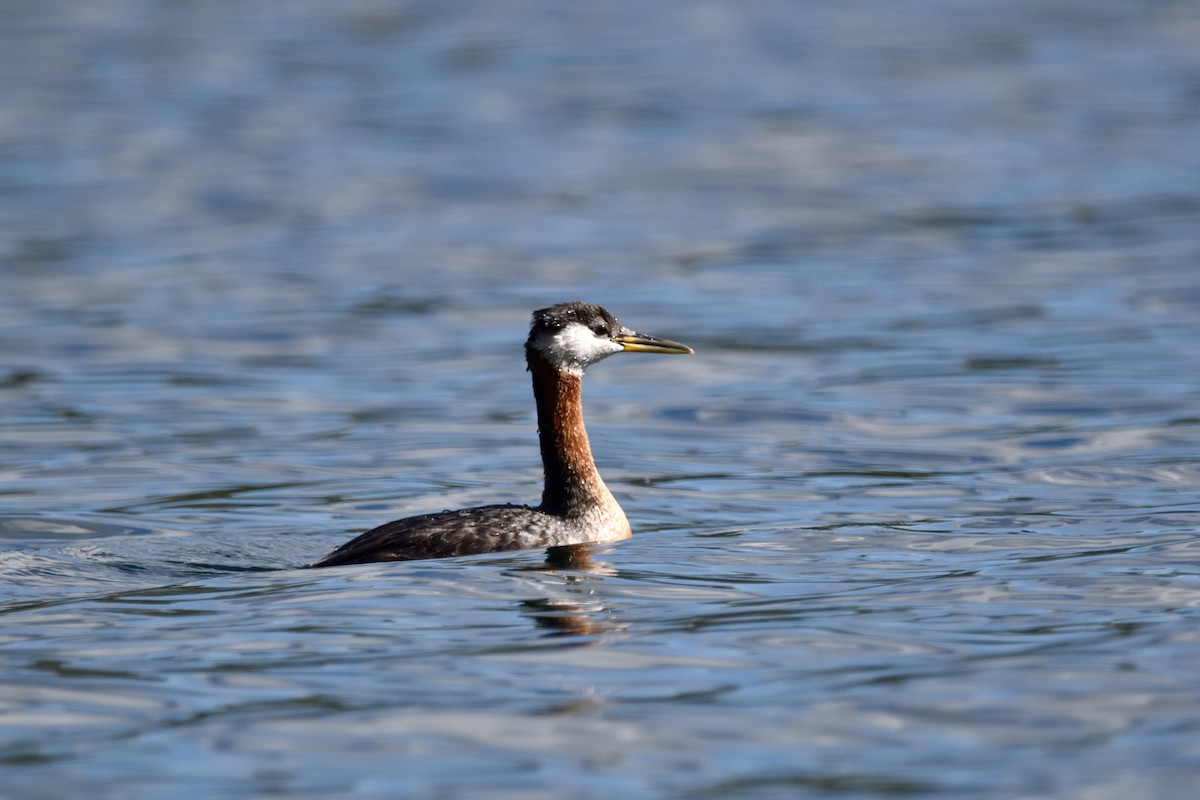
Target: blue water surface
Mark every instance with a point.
(919, 519)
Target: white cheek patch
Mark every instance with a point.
(575, 347)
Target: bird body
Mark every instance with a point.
(576, 506)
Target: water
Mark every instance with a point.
(919, 519)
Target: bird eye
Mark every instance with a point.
(600, 329)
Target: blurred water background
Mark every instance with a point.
(919, 519)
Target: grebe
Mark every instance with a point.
(576, 506)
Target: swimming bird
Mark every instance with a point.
(576, 508)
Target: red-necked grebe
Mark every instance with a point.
(576, 506)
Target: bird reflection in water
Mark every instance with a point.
(565, 616)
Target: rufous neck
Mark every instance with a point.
(573, 484)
